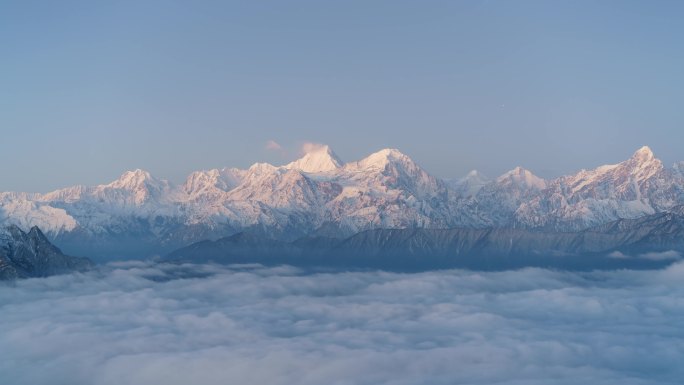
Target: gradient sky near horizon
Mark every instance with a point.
(90, 89)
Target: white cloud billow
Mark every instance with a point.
(662, 256)
(139, 323)
(273, 146)
(308, 147)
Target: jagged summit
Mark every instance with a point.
(382, 158)
(132, 190)
(30, 254)
(134, 179)
(474, 177)
(522, 177)
(212, 181)
(317, 158)
(640, 166)
(643, 164)
(635, 187)
(644, 154)
(258, 168)
(470, 184)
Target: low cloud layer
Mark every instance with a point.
(662, 256)
(670, 255)
(139, 323)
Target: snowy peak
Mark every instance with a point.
(134, 180)
(391, 163)
(637, 186)
(643, 164)
(638, 168)
(470, 184)
(201, 181)
(522, 178)
(644, 154)
(474, 174)
(317, 158)
(389, 168)
(258, 169)
(380, 159)
(212, 181)
(138, 186)
(474, 177)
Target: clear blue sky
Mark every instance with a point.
(89, 89)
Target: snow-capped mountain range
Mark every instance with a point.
(319, 194)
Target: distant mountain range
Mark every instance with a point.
(651, 241)
(28, 255)
(319, 195)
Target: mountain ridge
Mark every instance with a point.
(647, 242)
(319, 194)
(30, 254)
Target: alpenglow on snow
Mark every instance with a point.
(320, 195)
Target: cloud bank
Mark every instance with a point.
(662, 256)
(141, 323)
(309, 147)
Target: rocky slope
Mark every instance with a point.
(26, 255)
(651, 241)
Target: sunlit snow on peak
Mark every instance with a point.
(522, 178)
(317, 158)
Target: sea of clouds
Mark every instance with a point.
(147, 323)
